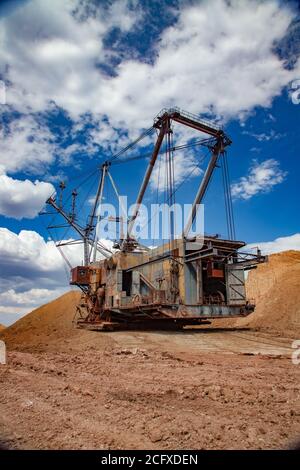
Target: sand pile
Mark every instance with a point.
(49, 322)
(275, 287)
(50, 328)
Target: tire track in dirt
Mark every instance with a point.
(205, 341)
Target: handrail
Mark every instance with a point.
(187, 114)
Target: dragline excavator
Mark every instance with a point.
(186, 281)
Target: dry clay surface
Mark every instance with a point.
(218, 387)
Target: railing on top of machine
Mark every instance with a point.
(188, 115)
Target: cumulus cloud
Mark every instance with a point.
(262, 178)
(13, 304)
(29, 266)
(264, 136)
(26, 144)
(218, 57)
(49, 57)
(22, 198)
(291, 242)
(32, 297)
(9, 315)
(32, 270)
(52, 49)
(29, 252)
(186, 165)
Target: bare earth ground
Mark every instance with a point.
(229, 386)
(146, 390)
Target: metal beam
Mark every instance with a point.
(51, 202)
(193, 121)
(196, 125)
(100, 196)
(146, 178)
(82, 232)
(93, 213)
(203, 186)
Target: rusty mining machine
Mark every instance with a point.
(186, 281)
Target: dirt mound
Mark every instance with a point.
(275, 288)
(2, 327)
(50, 327)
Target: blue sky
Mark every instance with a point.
(82, 79)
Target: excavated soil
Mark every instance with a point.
(275, 288)
(230, 385)
(2, 327)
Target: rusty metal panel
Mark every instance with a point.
(119, 275)
(80, 275)
(235, 284)
(191, 290)
(159, 296)
(212, 271)
(135, 283)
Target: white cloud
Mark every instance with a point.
(26, 145)
(28, 251)
(186, 165)
(262, 178)
(264, 136)
(14, 304)
(218, 57)
(9, 315)
(291, 242)
(22, 199)
(52, 49)
(109, 137)
(28, 298)
(49, 55)
(32, 271)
